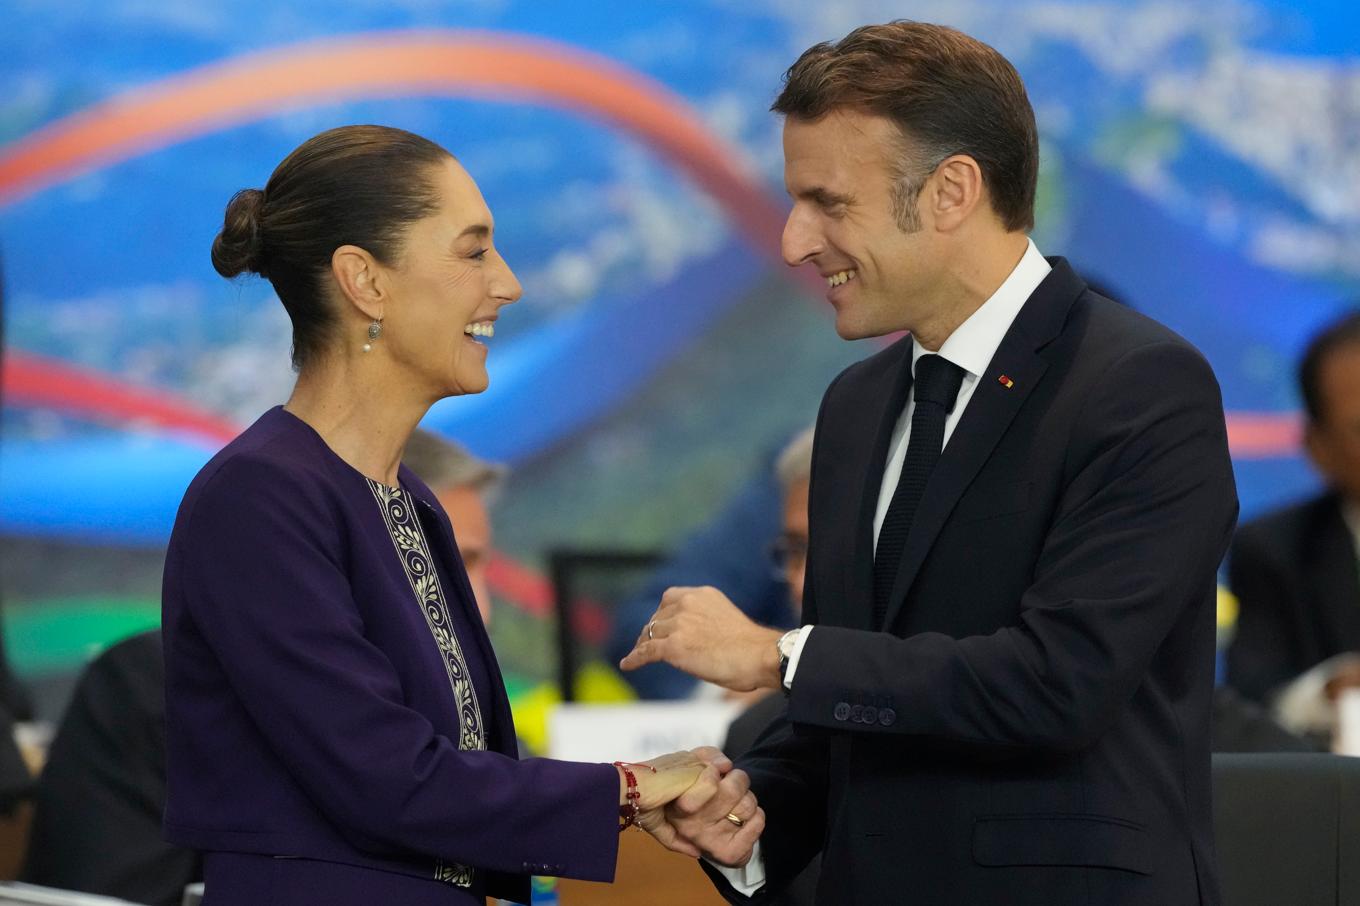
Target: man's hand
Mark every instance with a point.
(703, 633)
(704, 815)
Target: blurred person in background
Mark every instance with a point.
(793, 470)
(1295, 571)
(337, 728)
(465, 487)
(101, 795)
(100, 798)
(729, 552)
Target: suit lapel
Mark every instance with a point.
(884, 411)
(989, 414)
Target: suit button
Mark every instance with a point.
(870, 714)
(842, 711)
(857, 713)
(886, 717)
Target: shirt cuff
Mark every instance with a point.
(798, 644)
(748, 878)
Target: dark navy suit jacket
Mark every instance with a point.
(1034, 727)
(332, 694)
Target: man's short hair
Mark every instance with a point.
(948, 93)
(1340, 333)
(444, 463)
(795, 461)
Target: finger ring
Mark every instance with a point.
(649, 630)
(735, 820)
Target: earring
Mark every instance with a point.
(374, 331)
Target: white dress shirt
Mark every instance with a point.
(971, 347)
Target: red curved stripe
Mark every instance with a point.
(39, 382)
(466, 64)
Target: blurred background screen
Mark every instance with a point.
(1201, 162)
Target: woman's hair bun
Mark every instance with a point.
(238, 248)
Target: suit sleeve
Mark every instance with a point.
(1263, 652)
(1143, 519)
(264, 583)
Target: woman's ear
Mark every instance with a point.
(359, 277)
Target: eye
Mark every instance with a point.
(479, 255)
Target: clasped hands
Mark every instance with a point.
(696, 803)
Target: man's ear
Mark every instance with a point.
(360, 279)
(954, 191)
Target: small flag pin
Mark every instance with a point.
(1005, 382)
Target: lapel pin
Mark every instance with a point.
(1005, 382)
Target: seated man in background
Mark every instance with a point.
(465, 487)
(97, 812)
(727, 552)
(793, 469)
(97, 816)
(1295, 570)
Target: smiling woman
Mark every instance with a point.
(337, 727)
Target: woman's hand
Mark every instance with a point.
(697, 772)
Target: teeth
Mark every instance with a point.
(480, 329)
(837, 279)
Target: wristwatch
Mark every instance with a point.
(786, 644)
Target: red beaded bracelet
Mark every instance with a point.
(628, 812)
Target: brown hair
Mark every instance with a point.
(354, 185)
(948, 93)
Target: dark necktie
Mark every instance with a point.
(935, 387)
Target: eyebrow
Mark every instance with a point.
(480, 230)
(825, 197)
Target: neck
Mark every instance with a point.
(360, 411)
(970, 283)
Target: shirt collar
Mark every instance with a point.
(974, 342)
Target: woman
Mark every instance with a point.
(338, 730)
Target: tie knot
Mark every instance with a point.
(937, 381)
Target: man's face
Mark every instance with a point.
(1334, 441)
(472, 526)
(840, 172)
(794, 540)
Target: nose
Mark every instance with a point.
(801, 241)
(505, 287)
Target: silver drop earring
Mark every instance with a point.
(374, 331)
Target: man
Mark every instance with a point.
(1002, 692)
(1295, 571)
(97, 817)
(465, 486)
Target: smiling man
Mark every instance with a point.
(1002, 690)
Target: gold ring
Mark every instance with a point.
(649, 630)
(735, 820)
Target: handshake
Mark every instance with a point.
(695, 803)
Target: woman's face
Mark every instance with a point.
(446, 290)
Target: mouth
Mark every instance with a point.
(840, 278)
(478, 330)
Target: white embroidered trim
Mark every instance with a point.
(414, 552)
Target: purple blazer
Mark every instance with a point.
(332, 696)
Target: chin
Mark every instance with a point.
(847, 329)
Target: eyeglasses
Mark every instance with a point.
(788, 552)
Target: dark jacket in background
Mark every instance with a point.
(1296, 578)
(97, 817)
